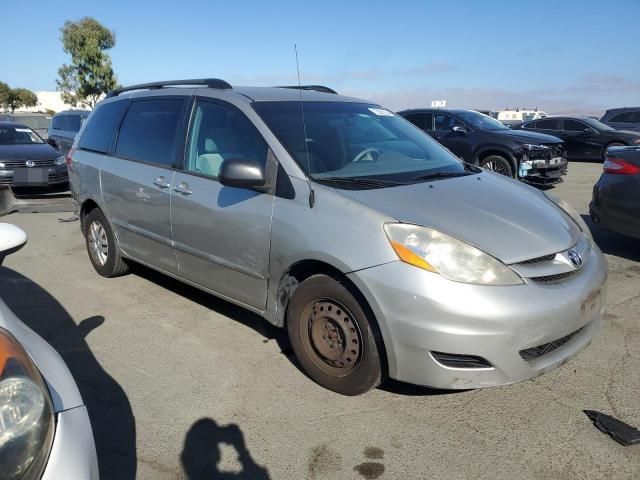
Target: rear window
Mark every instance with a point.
(58, 122)
(149, 131)
(72, 123)
(102, 124)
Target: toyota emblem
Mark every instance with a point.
(30, 163)
(575, 258)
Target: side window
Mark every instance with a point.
(58, 122)
(149, 131)
(626, 117)
(548, 124)
(220, 132)
(574, 126)
(445, 123)
(73, 123)
(98, 134)
(530, 125)
(418, 119)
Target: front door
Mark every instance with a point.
(457, 142)
(222, 234)
(136, 181)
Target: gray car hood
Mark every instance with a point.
(509, 220)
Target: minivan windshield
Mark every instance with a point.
(481, 121)
(18, 135)
(357, 143)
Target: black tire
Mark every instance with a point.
(114, 265)
(354, 364)
(497, 164)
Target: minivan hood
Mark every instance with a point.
(507, 219)
(531, 137)
(34, 151)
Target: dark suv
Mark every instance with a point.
(476, 138)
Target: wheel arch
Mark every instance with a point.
(87, 206)
(485, 152)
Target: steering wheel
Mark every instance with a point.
(367, 151)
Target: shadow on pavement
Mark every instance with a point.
(201, 453)
(109, 409)
(410, 390)
(613, 243)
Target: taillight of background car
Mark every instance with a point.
(70, 156)
(620, 167)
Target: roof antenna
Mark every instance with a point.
(312, 195)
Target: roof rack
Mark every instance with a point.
(205, 82)
(317, 88)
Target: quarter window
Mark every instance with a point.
(149, 131)
(218, 133)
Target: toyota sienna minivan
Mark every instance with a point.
(380, 252)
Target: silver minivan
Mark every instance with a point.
(381, 253)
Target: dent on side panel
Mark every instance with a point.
(338, 231)
(84, 177)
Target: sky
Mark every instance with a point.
(560, 56)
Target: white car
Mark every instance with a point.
(45, 431)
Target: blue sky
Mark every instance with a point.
(557, 55)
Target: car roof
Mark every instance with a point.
(437, 110)
(13, 124)
(70, 112)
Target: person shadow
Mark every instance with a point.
(201, 454)
(110, 412)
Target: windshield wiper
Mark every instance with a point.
(437, 175)
(368, 182)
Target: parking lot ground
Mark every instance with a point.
(180, 384)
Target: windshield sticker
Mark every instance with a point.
(381, 112)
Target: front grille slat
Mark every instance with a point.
(22, 163)
(533, 353)
(555, 278)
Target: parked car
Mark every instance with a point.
(481, 140)
(38, 122)
(627, 118)
(26, 160)
(584, 137)
(64, 128)
(346, 225)
(616, 196)
(45, 431)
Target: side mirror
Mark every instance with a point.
(12, 239)
(459, 129)
(241, 173)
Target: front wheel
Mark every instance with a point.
(101, 246)
(333, 338)
(498, 164)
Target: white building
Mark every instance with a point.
(48, 101)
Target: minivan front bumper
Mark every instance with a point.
(521, 331)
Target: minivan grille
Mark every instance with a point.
(555, 278)
(546, 258)
(23, 163)
(533, 353)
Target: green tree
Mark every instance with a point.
(13, 98)
(4, 95)
(89, 75)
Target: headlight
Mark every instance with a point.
(636, 141)
(569, 210)
(26, 414)
(452, 258)
(535, 148)
(60, 160)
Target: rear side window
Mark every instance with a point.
(420, 120)
(445, 123)
(530, 125)
(102, 124)
(73, 123)
(574, 126)
(548, 124)
(58, 122)
(149, 131)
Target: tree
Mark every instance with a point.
(89, 75)
(13, 98)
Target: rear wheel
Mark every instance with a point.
(101, 246)
(498, 164)
(333, 338)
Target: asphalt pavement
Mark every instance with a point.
(181, 385)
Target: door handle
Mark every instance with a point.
(161, 182)
(183, 188)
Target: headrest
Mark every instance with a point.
(210, 146)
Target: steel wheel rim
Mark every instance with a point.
(331, 337)
(495, 166)
(98, 243)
